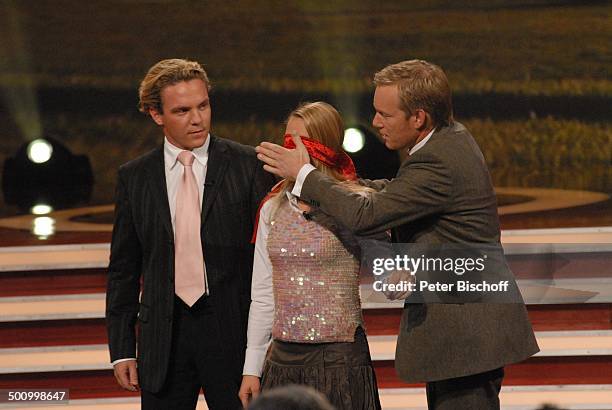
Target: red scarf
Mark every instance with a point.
(340, 161)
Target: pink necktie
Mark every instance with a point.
(189, 275)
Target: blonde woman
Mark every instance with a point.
(305, 292)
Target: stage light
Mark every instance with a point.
(43, 227)
(371, 158)
(41, 209)
(45, 172)
(40, 151)
(354, 140)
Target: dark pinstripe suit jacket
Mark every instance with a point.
(143, 249)
(441, 194)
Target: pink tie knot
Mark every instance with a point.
(186, 158)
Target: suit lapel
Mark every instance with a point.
(218, 161)
(157, 183)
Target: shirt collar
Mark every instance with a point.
(421, 143)
(293, 200)
(171, 153)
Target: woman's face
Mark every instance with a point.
(297, 127)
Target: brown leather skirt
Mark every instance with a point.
(341, 371)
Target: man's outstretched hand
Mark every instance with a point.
(286, 163)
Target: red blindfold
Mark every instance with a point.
(339, 161)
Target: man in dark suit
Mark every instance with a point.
(442, 193)
(181, 257)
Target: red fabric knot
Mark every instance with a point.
(340, 161)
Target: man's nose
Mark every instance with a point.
(196, 117)
(376, 121)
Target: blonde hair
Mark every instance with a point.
(421, 85)
(324, 124)
(163, 74)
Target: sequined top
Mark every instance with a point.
(315, 281)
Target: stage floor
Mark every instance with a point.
(540, 209)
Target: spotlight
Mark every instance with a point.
(44, 172)
(354, 140)
(39, 151)
(43, 227)
(41, 209)
(372, 159)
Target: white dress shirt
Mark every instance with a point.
(421, 143)
(308, 168)
(174, 173)
(261, 315)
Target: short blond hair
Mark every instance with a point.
(422, 85)
(165, 73)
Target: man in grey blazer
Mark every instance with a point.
(442, 193)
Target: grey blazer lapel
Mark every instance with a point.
(157, 184)
(218, 161)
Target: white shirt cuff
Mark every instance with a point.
(254, 361)
(122, 360)
(301, 177)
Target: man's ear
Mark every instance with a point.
(421, 119)
(156, 116)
